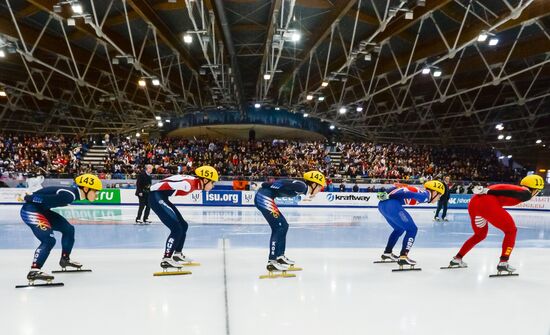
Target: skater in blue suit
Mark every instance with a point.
(265, 202)
(391, 207)
(37, 213)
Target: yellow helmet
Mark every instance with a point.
(533, 181)
(90, 181)
(315, 177)
(435, 185)
(207, 172)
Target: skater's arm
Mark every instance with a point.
(60, 198)
(522, 195)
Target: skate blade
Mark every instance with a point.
(382, 262)
(407, 269)
(504, 275)
(172, 273)
(294, 268)
(273, 275)
(191, 264)
(71, 271)
(40, 285)
(452, 267)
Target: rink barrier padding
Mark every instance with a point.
(222, 198)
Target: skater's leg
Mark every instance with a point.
(439, 206)
(266, 205)
(479, 226)
(142, 204)
(147, 210)
(410, 231)
(283, 227)
(387, 209)
(168, 217)
(500, 218)
(445, 205)
(178, 245)
(41, 228)
(60, 224)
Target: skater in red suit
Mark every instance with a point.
(486, 206)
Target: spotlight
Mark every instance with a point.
(167, 121)
(324, 84)
(493, 41)
(276, 108)
(2, 54)
(156, 82)
(321, 98)
(437, 73)
(500, 137)
(187, 38)
(138, 134)
(426, 70)
(509, 156)
(482, 37)
(295, 36)
(508, 138)
(77, 8)
(343, 110)
(157, 118)
(306, 114)
(538, 141)
(359, 109)
(3, 93)
(160, 124)
(332, 127)
(309, 97)
(368, 57)
(142, 83)
(257, 105)
(267, 76)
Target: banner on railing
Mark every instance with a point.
(246, 198)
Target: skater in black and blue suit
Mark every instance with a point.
(265, 202)
(37, 213)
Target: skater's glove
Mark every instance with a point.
(480, 190)
(382, 196)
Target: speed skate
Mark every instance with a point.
(279, 270)
(168, 264)
(36, 275)
(406, 264)
(504, 270)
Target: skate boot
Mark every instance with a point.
(436, 219)
(387, 257)
(138, 221)
(170, 262)
(36, 274)
(406, 264)
(284, 260)
(65, 263)
(445, 220)
(274, 265)
(183, 260)
(147, 221)
(506, 268)
(456, 263)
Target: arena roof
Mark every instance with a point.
(415, 71)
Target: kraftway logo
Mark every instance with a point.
(335, 197)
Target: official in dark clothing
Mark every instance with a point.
(444, 200)
(143, 186)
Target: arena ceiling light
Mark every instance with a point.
(157, 118)
(426, 70)
(138, 135)
(267, 76)
(359, 109)
(499, 126)
(538, 141)
(500, 137)
(508, 138)
(155, 82)
(2, 54)
(309, 97)
(321, 98)
(167, 121)
(482, 37)
(3, 93)
(509, 156)
(437, 73)
(306, 114)
(160, 124)
(324, 83)
(77, 8)
(187, 38)
(332, 127)
(276, 108)
(493, 41)
(343, 110)
(257, 105)
(142, 83)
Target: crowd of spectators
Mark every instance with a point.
(44, 155)
(50, 155)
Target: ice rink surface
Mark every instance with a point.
(340, 290)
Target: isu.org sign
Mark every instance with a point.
(349, 197)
